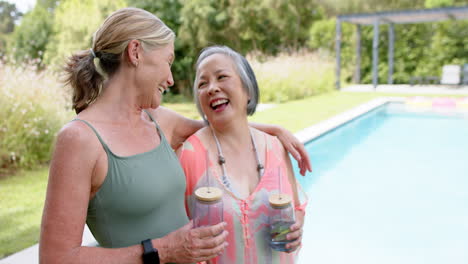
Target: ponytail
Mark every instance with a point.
(86, 70)
(81, 74)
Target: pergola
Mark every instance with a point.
(390, 18)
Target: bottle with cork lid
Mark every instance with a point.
(281, 217)
(208, 203)
(208, 206)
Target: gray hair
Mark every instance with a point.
(244, 70)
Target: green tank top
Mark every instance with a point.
(141, 197)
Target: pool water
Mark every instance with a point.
(389, 187)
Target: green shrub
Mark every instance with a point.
(291, 77)
(32, 109)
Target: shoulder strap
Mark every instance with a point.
(94, 130)
(160, 132)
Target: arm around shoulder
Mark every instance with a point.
(290, 142)
(176, 127)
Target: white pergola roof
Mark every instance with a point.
(408, 16)
(390, 18)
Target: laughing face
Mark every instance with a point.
(220, 92)
(154, 75)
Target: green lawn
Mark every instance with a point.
(297, 115)
(21, 202)
(22, 196)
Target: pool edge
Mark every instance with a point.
(317, 130)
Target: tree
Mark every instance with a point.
(8, 16)
(169, 11)
(263, 25)
(74, 23)
(48, 4)
(31, 36)
(243, 25)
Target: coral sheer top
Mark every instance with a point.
(247, 219)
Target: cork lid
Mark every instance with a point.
(208, 194)
(280, 200)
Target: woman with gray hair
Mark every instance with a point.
(114, 165)
(245, 163)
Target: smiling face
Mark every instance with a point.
(153, 75)
(220, 91)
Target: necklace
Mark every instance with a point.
(222, 161)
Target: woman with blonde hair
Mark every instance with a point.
(114, 165)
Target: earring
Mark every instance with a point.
(135, 63)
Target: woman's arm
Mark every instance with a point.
(178, 128)
(290, 142)
(76, 153)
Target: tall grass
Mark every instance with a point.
(33, 106)
(289, 77)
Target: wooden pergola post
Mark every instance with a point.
(357, 73)
(375, 54)
(391, 40)
(338, 53)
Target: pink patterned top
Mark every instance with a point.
(247, 219)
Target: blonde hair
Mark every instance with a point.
(86, 70)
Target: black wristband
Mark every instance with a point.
(150, 254)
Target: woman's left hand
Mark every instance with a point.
(297, 150)
(296, 233)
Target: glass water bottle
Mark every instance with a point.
(208, 206)
(281, 218)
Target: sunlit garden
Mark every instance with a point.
(290, 45)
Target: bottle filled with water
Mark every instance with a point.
(281, 217)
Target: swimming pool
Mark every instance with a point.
(389, 187)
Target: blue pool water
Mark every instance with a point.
(389, 187)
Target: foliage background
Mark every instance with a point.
(290, 44)
(56, 28)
